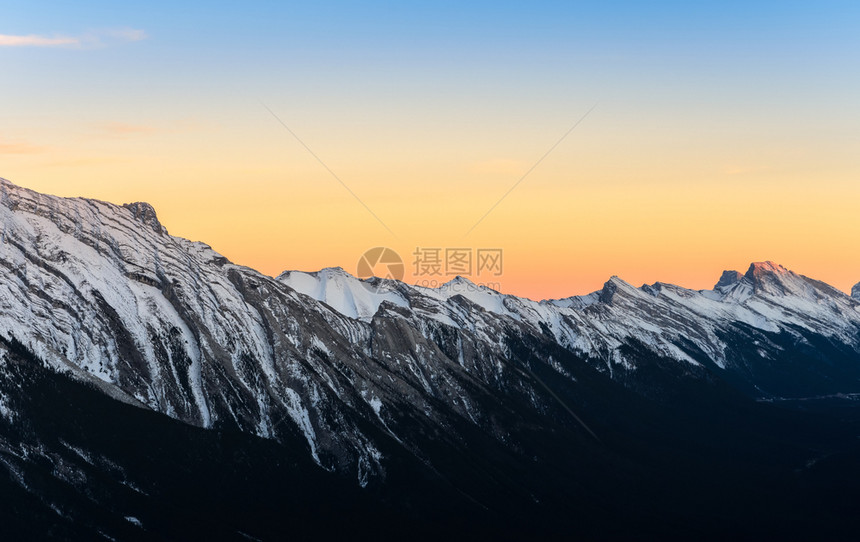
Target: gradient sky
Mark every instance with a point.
(723, 134)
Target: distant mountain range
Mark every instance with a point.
(149, 388)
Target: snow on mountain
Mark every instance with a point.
(104, 293)
(343, 292)
(767, 297)
(166, 322)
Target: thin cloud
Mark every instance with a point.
(90, 40)
(126, 34)
(34, 40)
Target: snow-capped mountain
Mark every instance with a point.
(369, 376)
(767, 306)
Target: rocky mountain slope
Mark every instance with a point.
(486, 395)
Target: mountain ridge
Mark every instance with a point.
(485, 396)
(146, 213)
(758, 298)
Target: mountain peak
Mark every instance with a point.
(145, 213)
(334, 271)
(459, 280)
(727, 280)
(855, 291)
(610, 287)
(758, 269)
(769, 277)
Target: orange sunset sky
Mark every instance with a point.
(721, 135)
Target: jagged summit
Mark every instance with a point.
(613, 286)
(333, 270)
(146, 213)
(67, 213)
(855, 291)
(458, 282)
(325, 271)
(771, 278)
(758, 269)
(609, 289)
(727, 280)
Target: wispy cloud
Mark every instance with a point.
(126, 34)
(89, 40)
(34, 40)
